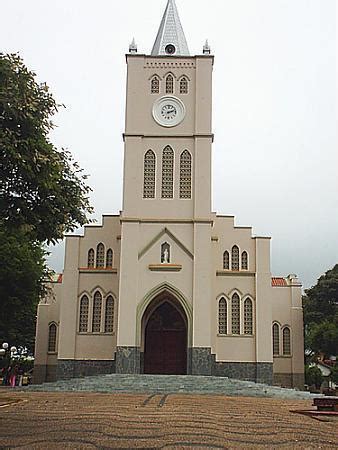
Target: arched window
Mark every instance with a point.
(244, 261)
(155, 85)
(226, 258)
(183, 85)
(235, 258)
(100, 255)
(109, 258)
(248, 316)
(222, 316)
(185, 174)
(169, 84)
(275, 339)
(286, 341)
(109, 315)
(97, 305)
(167, 172)
(84, 310)
(91, 257)
(149, 174)
(165, 253)
(52, 338)
(235, 315)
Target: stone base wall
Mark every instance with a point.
(289, 380)
(257, 372)
(201, 361)
(39, 373)
(128, 360)
(70, 368)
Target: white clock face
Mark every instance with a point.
(168, 111)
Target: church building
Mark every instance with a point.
(168, 286)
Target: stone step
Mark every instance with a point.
(170, 384)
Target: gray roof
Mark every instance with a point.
(170, 32)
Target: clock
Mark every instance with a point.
(168, 111)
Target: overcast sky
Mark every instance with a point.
(275, 158)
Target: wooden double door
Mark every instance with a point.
(165, 349)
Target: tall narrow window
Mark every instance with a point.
(235, 258)
(155, 85)
(275, 339)
(97, 305)
(84, 309)
(244, 261)
(167, 172)
(226, 260)
(222, 316)
(52, 338)
(169, 84)
(109, 258)
(286, 341)
(183, 85)
(248, 317)
(109, 315)
(100, 255)
(235, 315)
(91, 257)
(149, 174)
(185, 175)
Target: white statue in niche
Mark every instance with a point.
(165, 253)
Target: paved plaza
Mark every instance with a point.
(55, 418)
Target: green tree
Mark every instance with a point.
(313, 376)
(321, 314)
(22, 271)
(42, 191)
(43, 194)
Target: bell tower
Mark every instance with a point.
(168, 137)
(166, 189)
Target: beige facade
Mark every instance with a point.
(168, 286)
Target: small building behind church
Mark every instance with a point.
(168, 286)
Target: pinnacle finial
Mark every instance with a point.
(133, 46)
(206, 48)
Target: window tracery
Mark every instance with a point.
(109, 315)
(244, 260)
(222, 316)
(275, 339)
(52, 338)
(183, 85)
(109, 258)
(149, 174)
(97, 306)
(169, 84)
(167, 172)
(248, 316)
(91, 258)
(155, 85)
(235, 315)
(226, 260)
(235, 258)
(100, 255)
(84, 310)
(286, 341)
(185, 174)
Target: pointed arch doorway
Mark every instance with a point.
(165, 337)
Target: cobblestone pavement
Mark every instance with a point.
(88, 420)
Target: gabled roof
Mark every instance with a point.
(170, 32)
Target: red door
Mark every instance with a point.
(165, 342)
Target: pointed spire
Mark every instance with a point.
(170, 38)
(206, 48)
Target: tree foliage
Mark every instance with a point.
(321, 314)
(313, 376)
(42, 191)
(43, 194)
(21, 275)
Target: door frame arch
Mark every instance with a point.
(173, 292)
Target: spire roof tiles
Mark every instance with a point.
(170, 32)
